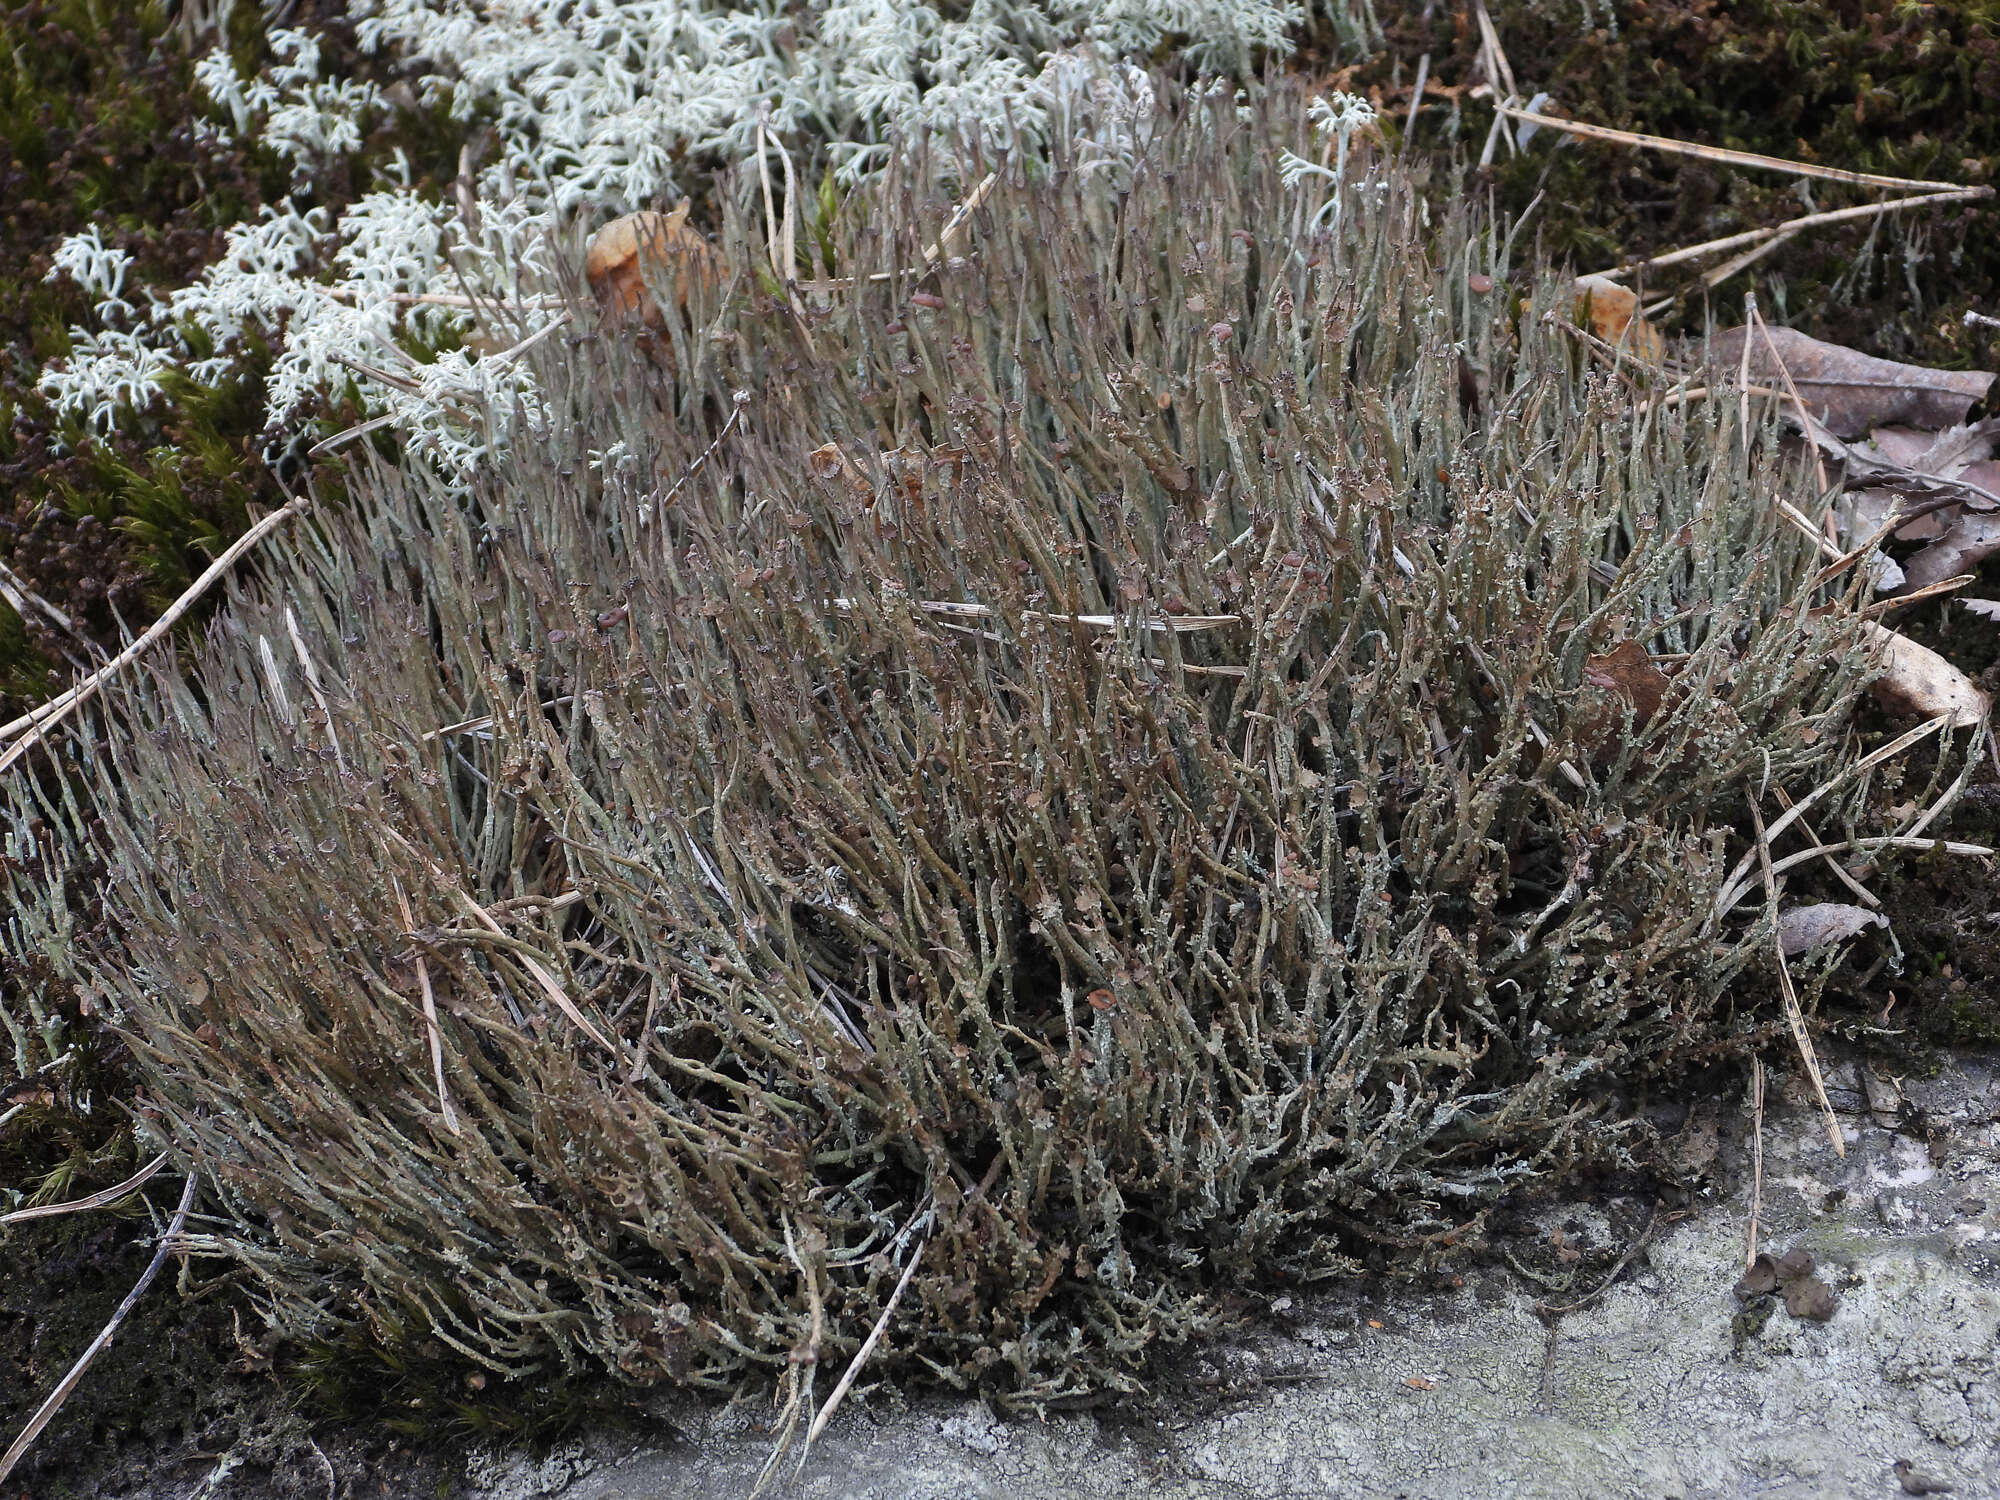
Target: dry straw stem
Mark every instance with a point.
(1756, 1156)
(34, 726)
(1738, 884)
(1734, 158)
(1202, 943)
(1767, 237)
(1794, 1014)
(47, 1410)
(104, 1199)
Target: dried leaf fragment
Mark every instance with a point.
(622, 250)
(1629, 671)
(1612, 312)
(1805, 928)
(1916, 680)
(1849, 392)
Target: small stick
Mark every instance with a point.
(450, 299)
(430, 1013)
(349, 434)
(1793, 1014)
(1756, 1156)
(1757, 322)
(1736, 887)
(1743, 377)
(740, 399)
(1732, 158)
(1789, 228)
(1854, 555)
(312, 682)
(1416, 101)
(1498, 54)
(1713, 279)
(34, 726)
(1885, 841)
(1631, 1254)
(507, 356)
(102, 1199)
(17, 591)
(1928, 591)
(1846, 878)
(98, 1345)
(867, 1348)
(479, 914)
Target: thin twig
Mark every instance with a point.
(102, 1199)
(1631, 1254)
(739, 400)
(349, 434)
(19, 594)
(1758, 324)
(867, 1348)
(1840, 870)
(1928, 591)
(1733, 158)
(1786, 230)
(34, 726)
(1756, 1156)
(1793, 1014)
(98, 1345)
(430, 1013)
(1179, 624)
(1501, 73)
(1736, 887)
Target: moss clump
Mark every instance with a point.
(98, 115)
(1873, 86)
(1097, 771)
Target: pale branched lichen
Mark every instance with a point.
(1089, 765)
(596, 108)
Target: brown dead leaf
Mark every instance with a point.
(1627, 670)
(622, 250)
(1966, 543)
(1805, 928)
(1418, 1383)
(1849, 392)
(1916, 680)
(1612, 312)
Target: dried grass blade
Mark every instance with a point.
(98, 1345)
(1756, 1157)
(34, 725)
(1734, 889)
(867, 1348)
(1952, 194)
(1794, 1016)
(1732, 158)
(430, 1016)
(102, 1199)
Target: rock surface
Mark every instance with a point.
(1667, 1384)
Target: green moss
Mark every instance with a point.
(97, 114)
(1901, 89)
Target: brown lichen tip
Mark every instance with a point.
(621, 251)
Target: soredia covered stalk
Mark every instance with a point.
(1100, 773)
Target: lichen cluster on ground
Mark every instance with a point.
(1076, 762)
